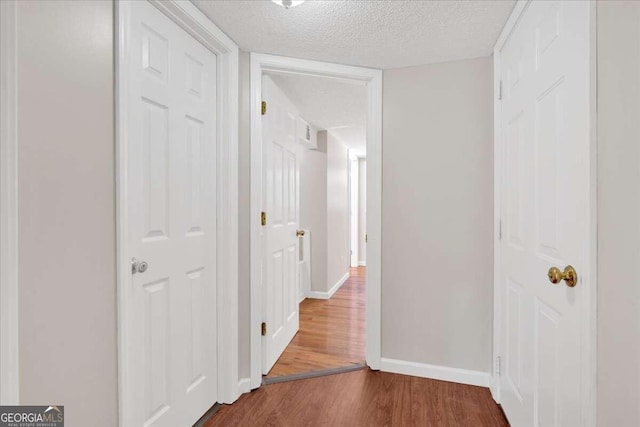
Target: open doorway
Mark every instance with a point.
(313, 125)
(314, 136)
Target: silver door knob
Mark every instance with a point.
(138, 266)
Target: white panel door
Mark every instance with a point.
(171, 220)
(545, 212)
(280, 264)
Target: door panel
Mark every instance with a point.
(545, 111)
(281, 206)
(156, 348)
(171, 219)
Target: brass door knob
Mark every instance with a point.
(569, 275)
(300, 233)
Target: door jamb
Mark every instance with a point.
(372, 80)
(497, 192)
(9, 220)
(589, 331)
(194, 22)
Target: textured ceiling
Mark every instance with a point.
(331, 105)
(378, 34)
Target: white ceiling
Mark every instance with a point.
(375, 33)
(332, 105)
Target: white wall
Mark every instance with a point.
(437, 214)
(362, 212)
(618, 383)
(67, 209)
(338, 236)
(354, 204)
(324, 209)
(313, 207)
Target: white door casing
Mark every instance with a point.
(281, 254)
(545, 200)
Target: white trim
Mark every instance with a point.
(516, 13)
(435, 372)
(244, 385)
(590, 309)
(372, 79)
(329, 294)
(589, 330)
(497, 203)
(497, 215)
(362, 264)
(188, 17)
(9, 339)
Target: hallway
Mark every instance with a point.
(363, 398)
(331, 331)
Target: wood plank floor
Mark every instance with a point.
(363, 398)
(331, 331)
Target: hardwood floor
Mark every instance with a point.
(331, 331)
(363, 398)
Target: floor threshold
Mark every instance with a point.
(313, 374)
(203, 419)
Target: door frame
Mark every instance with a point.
(193, 21)
(372, 80)
(589, 274)
(9, 220)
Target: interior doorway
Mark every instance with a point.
(314, 137)
(277, 199)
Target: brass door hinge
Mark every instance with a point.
(263, 218)
(264, 329)
(264, 108)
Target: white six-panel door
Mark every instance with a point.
(280, 263)
(545, 212)
(171, 219)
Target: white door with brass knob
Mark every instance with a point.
(544, 250)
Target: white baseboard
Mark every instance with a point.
(495, 390)
(317, 295)
(338, 284)
(434, 372)
(362, 263)
(244, 385)
(328, 295)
